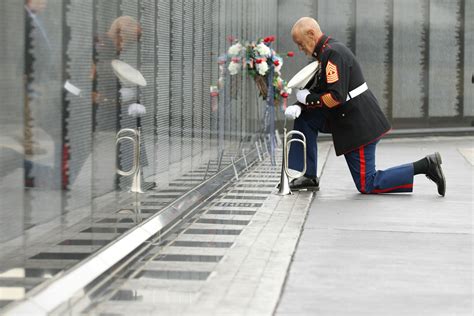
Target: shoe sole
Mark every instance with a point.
(439, 161)
(303, 189)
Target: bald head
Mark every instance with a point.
(124, 30)
(305, 24)
(306, 33)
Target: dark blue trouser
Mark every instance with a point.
(361, 162)
(309, 123)
(367, 179)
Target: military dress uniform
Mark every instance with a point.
(340, 102)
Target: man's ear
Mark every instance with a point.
(311, 33)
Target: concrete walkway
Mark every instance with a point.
(399, 254)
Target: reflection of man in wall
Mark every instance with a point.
(32, 23)
(116, 43)
(123, 31)
(33, 7)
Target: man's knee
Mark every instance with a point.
(366, 185)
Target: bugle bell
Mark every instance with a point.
(285, 171)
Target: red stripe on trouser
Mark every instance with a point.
(362, 169)
(405, 186)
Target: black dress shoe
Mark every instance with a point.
(304, 183)
(435, 173)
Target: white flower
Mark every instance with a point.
(234, 68)
(235, 49)
(263, 50)
(262, 68)
(288, 90)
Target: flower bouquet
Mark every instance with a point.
(259, 58)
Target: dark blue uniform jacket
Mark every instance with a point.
(355, 122)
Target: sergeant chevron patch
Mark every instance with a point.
(329, 100)
(331, 73)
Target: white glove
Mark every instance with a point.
(128, 94)
(301, 95)
(293, 111)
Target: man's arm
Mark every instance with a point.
(337, 81)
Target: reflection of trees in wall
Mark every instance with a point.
(77, 110)
(412, 54)
(147, 61)
(460, 56)
(351, 29)
(388, 60)
(373, 47)
(444, 65)
(28, 141)
(425, 53)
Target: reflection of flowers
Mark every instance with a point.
(234, 53)
(214, 91)
(235, 49)
(234, 68)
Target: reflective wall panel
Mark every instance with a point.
(409, 38)
(63, 102)
(78, 120)
(416, 55)
(12, 151)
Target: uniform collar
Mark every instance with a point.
(319, 46)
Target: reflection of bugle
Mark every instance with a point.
(285, 172)
(136, 168)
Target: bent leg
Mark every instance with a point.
(361, 163)
(308, 123)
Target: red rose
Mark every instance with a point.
(259, 60)
(284, 94)
(269, 39)
(235, 59)
(290, 54)
(276, 62)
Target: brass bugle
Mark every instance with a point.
(135, 171)
(285, 172)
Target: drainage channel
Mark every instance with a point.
(182, 261)
(41, 270)
(41, 267)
